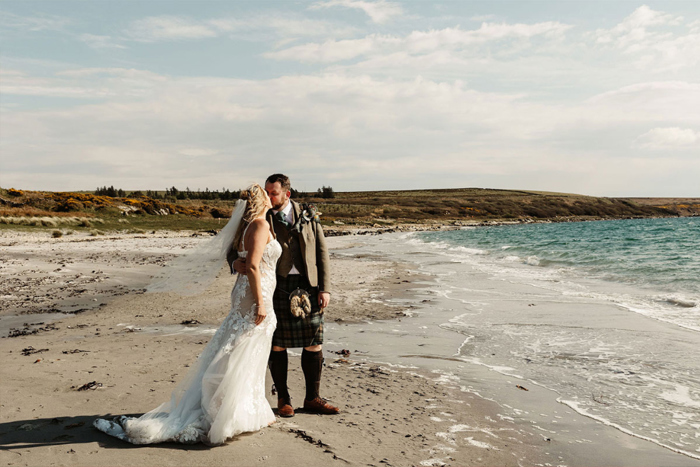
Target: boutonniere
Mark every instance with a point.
(309, 214)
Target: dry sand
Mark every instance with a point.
(135, 349)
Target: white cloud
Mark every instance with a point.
(34, 23)
(15, 82)
(358, 131)
(492, 104)
(100, 42)
(284, 123)
(419, 42)
(668, 138)
(251, 28)
(83, 83)
(380, 11)
(673, 54)
(288, 27)
(674, 102)
(633, 29)
(487, 32)
(169, 28)
(645, 92)
(119, 72)
(331, 50)
(653, 37)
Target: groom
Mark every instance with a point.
(304, 264)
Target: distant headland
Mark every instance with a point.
(110, 209)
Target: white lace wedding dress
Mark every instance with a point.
(223, 394)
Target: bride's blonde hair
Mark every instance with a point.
(255, 197)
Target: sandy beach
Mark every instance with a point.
(129, 349)
(405, 359)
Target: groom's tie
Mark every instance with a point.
(282, 218)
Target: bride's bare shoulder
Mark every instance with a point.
(265, 228)
(258, 228)
(259, 223)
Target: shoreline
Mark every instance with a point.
(471, 290)
(390, 415)
(376, 229)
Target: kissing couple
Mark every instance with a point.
(277, 248)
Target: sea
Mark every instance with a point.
(602, 317)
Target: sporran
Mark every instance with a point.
(300, 303)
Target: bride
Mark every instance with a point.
(223, 394)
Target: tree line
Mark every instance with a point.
(173, 193)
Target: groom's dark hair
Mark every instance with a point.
(283, 179)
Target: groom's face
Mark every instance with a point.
(278, 196)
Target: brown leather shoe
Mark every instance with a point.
(284, 408)
(320, 406)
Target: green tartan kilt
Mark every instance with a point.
(291, 331)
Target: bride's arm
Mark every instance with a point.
(255, 240)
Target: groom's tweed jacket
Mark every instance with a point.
(307, 251)
(312, 247)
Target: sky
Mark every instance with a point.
(592, 97)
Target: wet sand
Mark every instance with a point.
(134, 349)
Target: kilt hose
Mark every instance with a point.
(291, 331)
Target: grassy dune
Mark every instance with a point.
(97, 214)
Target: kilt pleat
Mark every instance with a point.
(291, 331)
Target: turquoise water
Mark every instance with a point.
(662, 253)
(604, 316)
(613, 317)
